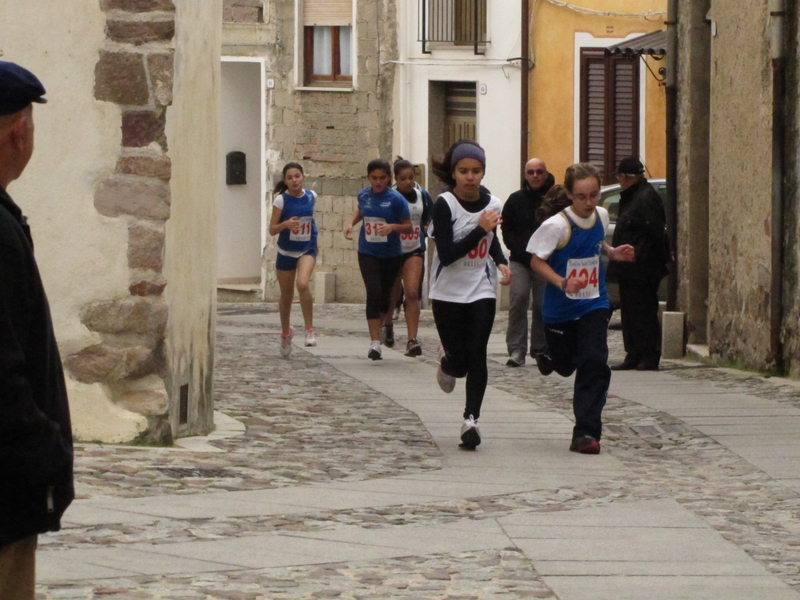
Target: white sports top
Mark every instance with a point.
(473, 276)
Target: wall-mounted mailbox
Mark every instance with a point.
(236, 168)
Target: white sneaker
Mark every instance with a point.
(286, 343)
(470, 434)
(445, 381)
(311, 337)
(374, 350)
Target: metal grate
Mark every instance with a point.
(459, 22)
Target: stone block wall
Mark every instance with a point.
(135, 71)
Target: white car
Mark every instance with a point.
(609, 199)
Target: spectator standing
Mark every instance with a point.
(519, 224)
(35, 430)
(641, 222)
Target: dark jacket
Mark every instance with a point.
(519, 219)
(35, 433)
(641, 222)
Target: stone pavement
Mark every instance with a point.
(332, 476)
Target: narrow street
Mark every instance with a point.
(333, 476)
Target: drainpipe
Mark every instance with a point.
(526, 39)
(777, 13)
(672, 149)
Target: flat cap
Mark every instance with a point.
(630, 166)
(18, 88)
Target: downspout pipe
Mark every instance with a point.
(777, 13)
(524, 83)
(672, 149)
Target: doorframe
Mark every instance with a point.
(263, 145)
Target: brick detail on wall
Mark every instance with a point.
(135, 71)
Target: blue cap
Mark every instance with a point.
(18, 88)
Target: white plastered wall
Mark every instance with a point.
(498, 118)
(82, 255)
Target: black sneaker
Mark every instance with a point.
(413, 348)
(389, 341)
(470, 434)
(545, 363)
(585, 444)
(516, 359)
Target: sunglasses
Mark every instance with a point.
(535, 172)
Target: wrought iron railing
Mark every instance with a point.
(459, 22)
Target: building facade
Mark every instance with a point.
(306, 81)
(738, 168)
(587, 104)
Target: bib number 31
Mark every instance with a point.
(588, 268)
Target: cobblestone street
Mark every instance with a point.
(337, 477)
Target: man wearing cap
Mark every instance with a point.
(641, 222)
(519, 224)
(35, 433)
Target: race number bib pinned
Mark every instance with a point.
(370, 233)
(476, 258)
(303, 231)
(410, 241)
(589, 268)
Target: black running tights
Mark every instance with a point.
(379, 276)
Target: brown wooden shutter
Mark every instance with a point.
(328, 12)
(609, 109)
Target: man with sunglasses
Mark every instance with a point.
(519, 223)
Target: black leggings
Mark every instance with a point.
(379, 275)
(464, 330)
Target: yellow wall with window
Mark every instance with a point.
(553, 123)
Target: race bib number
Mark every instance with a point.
(370, 224)
(589, 268)
(302, 233)
(476, 258)
(410, 241)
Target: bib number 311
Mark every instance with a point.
(588, 268)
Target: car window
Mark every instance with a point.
(611, 204)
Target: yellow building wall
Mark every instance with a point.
(552, 86)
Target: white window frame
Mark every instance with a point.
(299, 54)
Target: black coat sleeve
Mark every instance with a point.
(514, 228)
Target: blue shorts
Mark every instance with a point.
(289, 263)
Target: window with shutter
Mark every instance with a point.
(328, 41)
(609, 109)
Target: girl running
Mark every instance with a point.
(293, 222)
(464, 276)
(409, 281)
(385, 215)
(566, 252)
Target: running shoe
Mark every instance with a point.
(388, 336)
(311, 336)
(374, 350)
(413, 348)
(286, 343)
(445, 381)
(585, 444)
(470, 434)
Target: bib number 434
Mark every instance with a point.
(588, 268)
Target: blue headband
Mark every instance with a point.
(463, 151)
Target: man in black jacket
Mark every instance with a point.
(35, 433)
(519, 223)
(641, 222)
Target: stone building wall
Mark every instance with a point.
(333, 133)
(740, 184)
(106, 161)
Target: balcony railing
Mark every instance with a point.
(458, 22)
